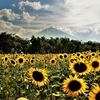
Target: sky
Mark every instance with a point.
(79, 18)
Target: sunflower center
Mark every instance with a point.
(97, 96)
(6, 59)
(78, 54)
(12, 62)
(93, 54)
(20, 60)
(31, 61)
(61, 57)
(65, 56)
(45, 66)
(53, 61)
(87, 57)
(95, 64)
(74, 85)
(38, 76)
(80, 67)
(71, 60)
(82, 57)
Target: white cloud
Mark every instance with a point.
(9, 14)
(82, 17)
(64, 29)
(20, 31)
(76, 13)
(26, 16)
(34, 5)
(84, 12)
(67, 1)
(86, 34)
(13, 5)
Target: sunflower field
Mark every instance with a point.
(64, 76)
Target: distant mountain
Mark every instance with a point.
(53, 32)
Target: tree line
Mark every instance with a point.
(11, 43)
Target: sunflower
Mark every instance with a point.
(73, 54)
(79, 67)
(60, 56)
(95, 93)
(72, 60)
(15, 55)
(53, 61)
(87, 56)
(22, 98)
(12, 62)
(74, 85)
(31, 61)
(78, 54)
(95, 64)
(20, 60)
(65, 55)
(38, 76)
(46, 65)
(27, 61)
(98, 55)
(93, 54)
(81, 56)
(5, 58)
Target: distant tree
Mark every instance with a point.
(10, 43)
(71, 47)
(78, 45)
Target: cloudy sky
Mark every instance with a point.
(79, 18)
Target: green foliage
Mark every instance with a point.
(10, 43)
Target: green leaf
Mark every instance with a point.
(55, 76)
